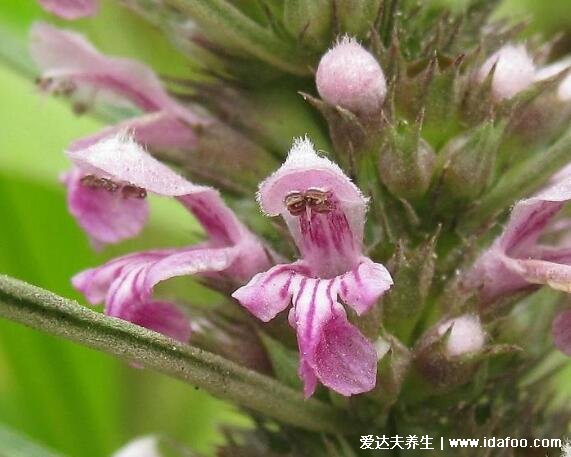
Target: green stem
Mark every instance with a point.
(43, 310)
(518, 182)
(235, 27)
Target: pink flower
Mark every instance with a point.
(349, 76)
(113, 178)
(325, 213)
(517, 260)
(70, 9)
(72, 66)
(514, 71)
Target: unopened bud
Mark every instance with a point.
(349, 76)
(469, 162)
(513, 71)
(309, 21)
(406, 163)
(466, 335)
(448, 355)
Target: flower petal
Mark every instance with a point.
(188, 262)
(70, 9)
(515, 261)
(121, 159)
(268, 293)
(337, 353)
(120, 283)
(163, 317)
(345, 360)
(96, 282)
(303, 169)
(361, 287)
(160, 130)
(67, 57)
(126, 284)
(562, 332)
(108, 217)
(324, 210)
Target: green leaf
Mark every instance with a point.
(40, 309)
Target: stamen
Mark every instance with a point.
(130, 191)
(99, 183)
(295, 203)
(312, 199)
(318, 200)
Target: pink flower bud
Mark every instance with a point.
(349, 76)
(466, 335)
(514, 71)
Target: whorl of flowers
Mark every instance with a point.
(400, 250)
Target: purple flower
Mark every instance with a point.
(517, 260)
(70, 9)
(112, 180)
(72, 66)
(325, 213)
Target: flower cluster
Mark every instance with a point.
(388, 251)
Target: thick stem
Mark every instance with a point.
(518, 182)
(43, 310)
(229, 22)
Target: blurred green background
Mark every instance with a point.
(74, 400)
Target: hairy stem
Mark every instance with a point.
(43, 310)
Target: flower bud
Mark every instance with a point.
(310, 21)
(349, 76)
(413, 272)
(513, 71)
(448, 355)
(465, 335)
(469, 162)
(406, 163)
